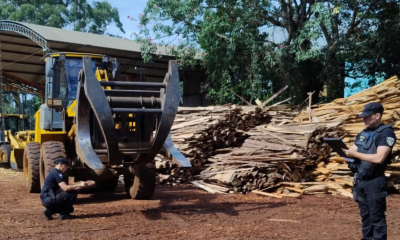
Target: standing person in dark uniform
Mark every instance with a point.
(55, 201)
(372, 153)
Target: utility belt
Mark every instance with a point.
(366, 178)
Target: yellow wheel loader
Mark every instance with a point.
(103, 126)
(13, 139)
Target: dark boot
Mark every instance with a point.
(66, 216)
(48, 214)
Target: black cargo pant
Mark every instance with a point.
(371, 198)
(59, 203)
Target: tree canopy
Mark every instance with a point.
(79, 15)
(256, 47)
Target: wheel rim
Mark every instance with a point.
(2, 156)
(26, 164)
(42, 172)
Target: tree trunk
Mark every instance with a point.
(335, 77)
(301, 77)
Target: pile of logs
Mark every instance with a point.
(272, 154)
(347, 110)
(197, 132)
(261, 150)
(200, 131)
(334, 173)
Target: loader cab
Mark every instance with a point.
(62, 73)
(14, 122)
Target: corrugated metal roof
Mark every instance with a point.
(52, 34)
(23, 45)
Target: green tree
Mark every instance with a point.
(78, 15)
(31, 107)
(239, 53)
(359, 33)
(8, 103)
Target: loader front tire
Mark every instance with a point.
(5, 153)
(142, 185)
(50, 151)
(31, 167)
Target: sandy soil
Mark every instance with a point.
(183, 212)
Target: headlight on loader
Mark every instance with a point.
(53, 102)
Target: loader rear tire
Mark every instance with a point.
(50, 151)
(31, 167)
(143, 184)
(5, 153)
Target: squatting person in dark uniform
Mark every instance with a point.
(372, 153)
(52, 199)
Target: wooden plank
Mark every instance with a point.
(345, 193)
(267, 194)
(323, 170)
(295, 189)
(194, 109)
(315, 188)
(216, 187)
(284, 220)
(194, 122)
(278, 103)
(241, 98)
(274, 96)
(204, 187)
(291, 194)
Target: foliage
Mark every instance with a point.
(232, 40)
(8, 103)
(78, 15)
(351, 30)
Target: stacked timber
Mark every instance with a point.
(347, 110)
(316, 169)
(201, 132)
(272, 154)
(198, 132)
(333, 176)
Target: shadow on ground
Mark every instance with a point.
(187, 201)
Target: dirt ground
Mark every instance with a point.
(183, 212)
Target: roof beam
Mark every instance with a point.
(23, 81)
(20, 62)
(25, 31)
(23, 72)
(21, 44)
(16, 87)
(21, 53)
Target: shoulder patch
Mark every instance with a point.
(60, 175)
(390, 141)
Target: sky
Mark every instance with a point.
(127, 8)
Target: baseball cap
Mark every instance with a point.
(61, 160)
(370, 108)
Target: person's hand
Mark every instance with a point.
(90, 183)
(350, 152)
(83, 184)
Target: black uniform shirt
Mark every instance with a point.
(386, 138)
(53, 179)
